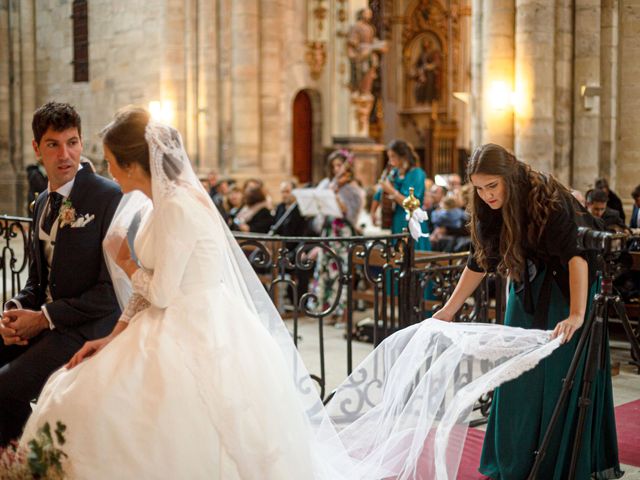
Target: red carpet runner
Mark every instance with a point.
(471, 456)
(628, 427)
(627, 424)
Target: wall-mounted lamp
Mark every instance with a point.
(590, 95)
(464, 97)
(161, 111)
(501, 96)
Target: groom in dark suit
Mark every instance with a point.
(68, 298)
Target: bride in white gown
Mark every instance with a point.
(200, 378)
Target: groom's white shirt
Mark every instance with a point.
(48, 241)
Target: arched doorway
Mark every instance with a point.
(302, 137)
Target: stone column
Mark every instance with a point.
(173, 69)
(462, 82)
(586, 129)
(27, 101)
(477, 14)
(208, 60)
(563, 90)
(245, 72)
(628, 150)
(225, 89)
(192, 77)
(17, 95)
(497, 66)
(271, 94)
(7, 190)
(609, 98)
(534, 82)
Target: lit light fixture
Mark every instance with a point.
(590, 94)
(441, 180)
(464, 97)
(501, 97)
(161, 111)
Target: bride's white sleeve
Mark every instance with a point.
(174, 237)
(136, 304)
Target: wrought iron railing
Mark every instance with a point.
(14, 258)
(382, 274)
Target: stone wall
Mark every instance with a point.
(229, 68)
(124, 60)
(627, 159)
(559, 52)
(233, 68)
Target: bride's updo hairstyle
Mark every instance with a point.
(125, 137)
(530, 198)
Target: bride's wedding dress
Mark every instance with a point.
(205, 382)
(192, 388)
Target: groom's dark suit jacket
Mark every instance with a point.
(83, 299)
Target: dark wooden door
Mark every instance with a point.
(302, 137)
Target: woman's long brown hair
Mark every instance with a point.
(530, 198)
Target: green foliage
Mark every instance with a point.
(42, 460)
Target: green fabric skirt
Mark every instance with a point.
(522, 409)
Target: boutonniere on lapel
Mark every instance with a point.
(68, 216)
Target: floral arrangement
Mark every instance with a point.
(67, 213)
(68, 216)
(41, 459)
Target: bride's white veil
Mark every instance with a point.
(403, 412)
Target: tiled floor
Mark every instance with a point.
(626, 385)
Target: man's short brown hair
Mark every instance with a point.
(58, 116)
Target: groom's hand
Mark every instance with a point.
(26, 324)
(8, 333)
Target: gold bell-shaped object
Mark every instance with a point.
(32, 205)
(410, 203)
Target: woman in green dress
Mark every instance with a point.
(524, 225)
(405, 174)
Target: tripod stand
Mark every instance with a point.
(594, 338)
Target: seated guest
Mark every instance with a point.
(438, 192)
(294, 224)
(37, 179)
(635, 215)
(450, 215)
(212, 180)
(448, 224)
(432, 202)
(454, 183)
(255, 215)
(233, 203)
(257, 183)
(613, 201)
(289, 222)
(204, 181)
(577, 194)
(221, 190)
(597, 206)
